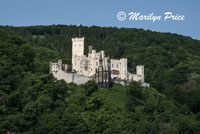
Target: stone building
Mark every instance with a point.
(86, 65)
(94, 66)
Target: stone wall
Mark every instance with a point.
(71, 77)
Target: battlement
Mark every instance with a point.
(124, 60)
(77, 39)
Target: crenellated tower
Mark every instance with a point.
(77, 49)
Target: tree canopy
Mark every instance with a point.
(32, 101)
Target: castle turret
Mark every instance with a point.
(60, 64)
(123, 69)
(140, 71)
(90, 49)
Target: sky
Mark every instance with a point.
(104, 13)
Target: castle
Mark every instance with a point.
(96, 66)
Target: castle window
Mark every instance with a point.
(96, 63)
(115, 72)
(117, 65)
(79, 45)
(112, 65)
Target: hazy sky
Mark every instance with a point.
(103, 13)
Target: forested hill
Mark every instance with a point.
(170, 60)
(32, 101)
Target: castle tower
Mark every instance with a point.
(78, 46)
(60, 64)
(140, 71)
(77, 49)
(90, 49)
(123, 69)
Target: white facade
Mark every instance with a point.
(54, 67)
(87, 65)
(70, 77)
(139, 76)
(77, 50)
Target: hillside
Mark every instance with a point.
(171, 61)
(32, 101)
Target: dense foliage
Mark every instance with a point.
(32, 101)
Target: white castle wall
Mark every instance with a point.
(70, 77)
(139, 76)
(121, 66)
(61, 75)
(80, 79)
